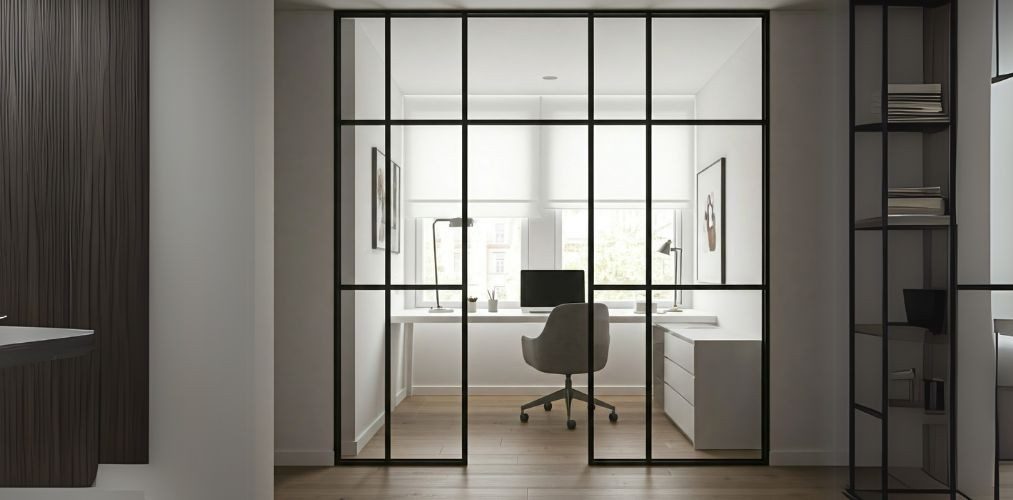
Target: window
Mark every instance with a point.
(495, 259)
(619, 248)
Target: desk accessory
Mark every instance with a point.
(669, 249)
(454, 222)
(493, 302)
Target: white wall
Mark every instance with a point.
(805, 255)
(975, 348)
(304, 182)
(211, 267)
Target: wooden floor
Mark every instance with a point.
(553, 481)
(541, 459)
(430, 427)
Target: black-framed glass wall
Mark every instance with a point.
(473, 145)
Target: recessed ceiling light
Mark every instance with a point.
(550, 77)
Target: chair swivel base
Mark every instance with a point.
(568, 394)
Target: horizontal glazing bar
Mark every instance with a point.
(349, 288)
(751, 286)
(995, 287)
(502, 122)
(575, 13)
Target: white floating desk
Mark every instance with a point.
(412, 316)
(403, 330)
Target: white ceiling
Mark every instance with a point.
(510, 55)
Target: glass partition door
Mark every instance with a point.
(472, 145)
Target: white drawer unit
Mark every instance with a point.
(713, 389)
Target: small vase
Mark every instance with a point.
(493, 305)
(472, 306)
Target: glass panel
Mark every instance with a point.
(425, 385)
(620, 68)
(620, 221)
(712, 173)
(1005, 38)
(868, 363)
(362, 69)
(527, 68)
(868, 455)
(707, 68)
(425, 58)
(621, 384)
(429, 190)
(868, 64)
(363, 201)
(362, 377)
(707, 379)
(1001, 304)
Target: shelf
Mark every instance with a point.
(924, 127)
(902, 3)
(904, 333)
(904, 222)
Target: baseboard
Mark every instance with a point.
(352, 448)
(815, 458)
(522, 390)
(304, 457)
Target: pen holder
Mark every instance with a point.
(493, 305)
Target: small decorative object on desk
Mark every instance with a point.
(472, 304)
(493, 302)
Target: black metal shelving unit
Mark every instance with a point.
(902, 372)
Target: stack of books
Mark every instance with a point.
(916, 201)
(914, 103)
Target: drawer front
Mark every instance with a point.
(680, 411)
(679, 379)
(680, 351)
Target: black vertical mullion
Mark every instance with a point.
(765, 332)
(336, 227)
(464, 239)
(885, 232)
(386, 238)
(648, 340)
(590, 236)
(951, 286)
(851, 248)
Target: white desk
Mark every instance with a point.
(403, 322)
(412, 316)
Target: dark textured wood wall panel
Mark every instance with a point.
(74, 191)
(49, 423)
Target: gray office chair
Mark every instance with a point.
(562, 348)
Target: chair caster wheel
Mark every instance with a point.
(571, 424)
(547, 406)
(613, 417)
(524, 417)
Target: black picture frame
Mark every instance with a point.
(714, 238)
(378, 199)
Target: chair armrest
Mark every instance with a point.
(529, 348)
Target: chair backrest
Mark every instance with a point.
(563, 342)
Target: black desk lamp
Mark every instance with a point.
(669, 249)
(455, 222)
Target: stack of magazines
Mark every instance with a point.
(914, 103)
(916, 201)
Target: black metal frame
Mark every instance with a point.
(999, 75)
(648, 122)
(884, 128)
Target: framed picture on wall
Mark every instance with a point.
(379, 193)
(710, 223)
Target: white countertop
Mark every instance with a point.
(422, 315)
(10, 335)
(710, 334)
